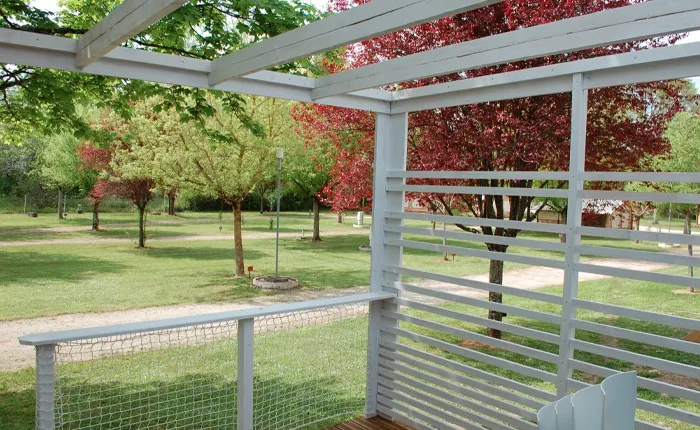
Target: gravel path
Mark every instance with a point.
(253, 235)
(14, 356)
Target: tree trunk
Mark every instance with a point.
(687, 230)
(171, 202)
(495, 277)
(340, 217)
(562, 236)
(262, 203)
(238, 237)
(317, 222)
(60, 204)
(142, 227)
(96, 217)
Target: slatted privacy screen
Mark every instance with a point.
(438, 368)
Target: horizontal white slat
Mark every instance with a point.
(393, 414)
(655, 317)
(643, 360)
(656, 408)
(460, 384)
(466, 334)
(631, 254)
(390, 369)
(507, 175)
(353, 25)
(648, 338)
(449, 402)
(646, 383)
(419, 412)
(489, 255)
(649, 236)
(500, 382)
(598, 29)
(485, 238)
(491, 191)
(474, 355)
(642, 197)
(510, 328)
(172, 323)
(38, 50)
(480, 222)
(470, 283)
(638, 275)
(650, 65)
(484, 304)
(641, 177)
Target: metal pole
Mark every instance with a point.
(279, 186)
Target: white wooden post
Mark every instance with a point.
(45, 379)
(389, 154)
(577, 160)
(245, 374)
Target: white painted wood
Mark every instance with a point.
(577, 165)
(649, 384)
(667, 411)
(629, 23)
(587, 406)
(487, 255)
(126, 21)
(493, 191)
(452, 381)
(478, 285)
(394, 415)
(648, 338)
(459, 316)
(172, 323)
(478, 222)
(657, 257)
(633, 67)
(466, 334)
(473, 237)
(391, 134)
(620, 401)
(539, 176)
(430, 418)
(547, 417)
(642, 197)
(655, 317)
(661, 278)
(474, 355)
(37, 50)
(356, 24)
(495, 384)
(635, 358)
(45, 392)
(651, 236)
(448, 297)
(565, 413)
(245, 336)
(641, 176)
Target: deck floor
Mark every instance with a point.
(375, 423)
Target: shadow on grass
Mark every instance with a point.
(46, 266)
(205, 253)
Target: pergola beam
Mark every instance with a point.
(640, 21)
(37, 50)
(360, 23)
(673, 62)
(126, 21)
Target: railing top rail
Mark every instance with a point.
(173, 323)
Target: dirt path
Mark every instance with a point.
(14, 356)
(250, 235)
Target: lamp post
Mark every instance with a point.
(280, 157)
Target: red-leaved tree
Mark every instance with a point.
(96, 160)
(626, 124)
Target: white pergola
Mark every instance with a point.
(245, 71)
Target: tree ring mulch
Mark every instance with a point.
(271, 282)
(365, 248)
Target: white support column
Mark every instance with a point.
(391, 135)
(577, 161)
(245, 374)
(45, 379)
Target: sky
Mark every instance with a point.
(321, 4)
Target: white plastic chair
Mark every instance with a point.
(608, 406)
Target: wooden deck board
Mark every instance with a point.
(375, 423)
